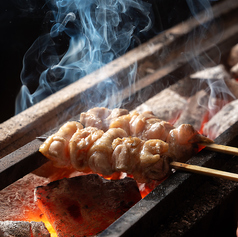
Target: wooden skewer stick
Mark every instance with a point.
(221, 148)
(204, 171)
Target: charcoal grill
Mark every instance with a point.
(184, 204)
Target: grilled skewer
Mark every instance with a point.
(119, 141)
(203, 170)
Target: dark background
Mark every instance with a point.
(23, 21)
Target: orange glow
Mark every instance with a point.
(219, 104)
(50, 229)
(38, 218)
(205, 120)
(145, 192)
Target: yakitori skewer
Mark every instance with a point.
(204, 171)
(221, 148)
(115, 141)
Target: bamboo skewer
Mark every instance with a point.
(204, 171)
(221, 148)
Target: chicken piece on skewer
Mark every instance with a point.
(183, 142)
(148, 126)
(124, 122)
(158, 130)
(142, 159)
(79, 145)
(56, 146)
(100, 154)
(100, 117)
(138, 123)
(145, 126)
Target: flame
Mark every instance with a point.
(143, 188)
(37, 218)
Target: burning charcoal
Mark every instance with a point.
(222, 120)
(86, 205)
(166, 105)
(23, 229)
(213, 73)
(233, 57)
(195, 110)
(17, 200)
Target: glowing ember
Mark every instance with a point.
(86, 205)
(34, 217)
